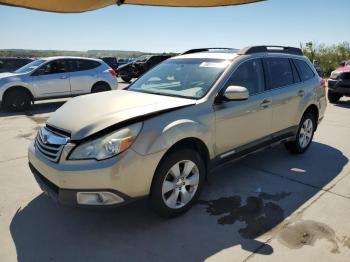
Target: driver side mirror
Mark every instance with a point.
(236, 93)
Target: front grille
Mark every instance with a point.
(49, 144)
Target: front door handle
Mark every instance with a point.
(64, 77)
(301, 93)
(265, 103)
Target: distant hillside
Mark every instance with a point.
(89, 53)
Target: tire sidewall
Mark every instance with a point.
(156, 197)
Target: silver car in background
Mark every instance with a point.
(54, 77)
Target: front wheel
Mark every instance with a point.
(17, 100)
(177, 183)
(304, 135)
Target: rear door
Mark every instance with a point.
(51, 80)
(82, 75)
(240, 123)
(287, 91)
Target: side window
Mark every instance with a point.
(54, 67)
(304, 69)
(250, 75)
(280, 72)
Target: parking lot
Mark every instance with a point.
(270, 206)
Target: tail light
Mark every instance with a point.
(112, 72)
(323, 83)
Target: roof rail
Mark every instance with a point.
(198, 50)
(271, 49)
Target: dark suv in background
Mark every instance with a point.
(10, 64)
(139, 66)
(339, 83)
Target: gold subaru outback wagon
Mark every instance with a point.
(160, 137)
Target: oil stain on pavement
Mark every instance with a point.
(259, 217)
(307, 232)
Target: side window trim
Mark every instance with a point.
(295, 70)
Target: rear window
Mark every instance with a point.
(304, 69)
(280, 72)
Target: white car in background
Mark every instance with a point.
(54, 77)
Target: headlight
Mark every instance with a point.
(108, 145)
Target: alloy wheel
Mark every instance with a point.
(180, 184)
(306, 132)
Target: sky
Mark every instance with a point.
(166, 29)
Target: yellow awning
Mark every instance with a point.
(76, 6)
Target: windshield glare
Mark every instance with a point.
(190, 78)
(142, 58)
(30, 67)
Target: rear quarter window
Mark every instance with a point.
(82, 65)
(305, 71)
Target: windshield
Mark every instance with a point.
(190, 78)
(348, 63)
(30, 67)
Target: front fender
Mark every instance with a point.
(153, 141)
(8, 84)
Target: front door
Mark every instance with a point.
(240, 123)
(51, 80)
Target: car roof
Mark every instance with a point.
(69, 57)
(217, 54)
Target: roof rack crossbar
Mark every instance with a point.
(198, 50)
(271, 49)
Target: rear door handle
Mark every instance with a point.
(301, 93)
(265, 103)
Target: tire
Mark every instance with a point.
(100, 87)
(174, 193)
(17, 100)
(333, 97)
(126, 79)
(304, 135)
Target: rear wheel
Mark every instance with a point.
(177, 183)
(126, 79)
(304, 135)
(333, 97)
(17, 100)
(100, 87)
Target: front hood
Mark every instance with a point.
(5, 75)
(342, 69)
(11, 77)
(85, 115)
